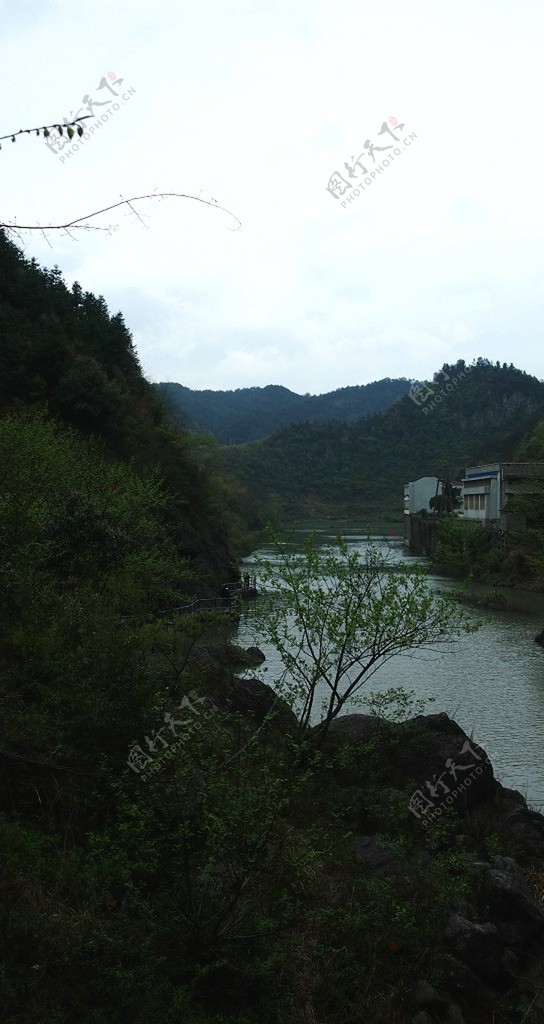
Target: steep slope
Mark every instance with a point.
(318, 467)
(249, 414)
(62, 352)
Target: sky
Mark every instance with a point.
(321, 276)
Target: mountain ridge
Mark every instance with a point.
(315, 468)
(249, 414)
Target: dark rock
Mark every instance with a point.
(446, 766)
(495, 938)
(256, 699)
(466, 844)
(212, 669)
(439, 722)
(430, 753)
(526, 831)
(236, 657)
(514, 795)
(477, 945)
(453, 1015)
(425, 994)
(519, 830)
(228, 654)
(384, 861)
(510, 964)
(443, 1009)
(254, 656)
(459, 979)
(215, 664)
(354, 728)
(510, 902)
(532, 984)
(253, 700)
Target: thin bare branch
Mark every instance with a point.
(80, 222)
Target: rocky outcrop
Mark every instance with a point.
(479, 945)
(509, 901)
(256, 702)
(384, 861)
(437, 777)
(416, 777)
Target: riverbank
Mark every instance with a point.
(472, 680)
(495, 597)
(507, 560)
(415, 881)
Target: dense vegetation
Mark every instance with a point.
(63, 353)
(162, 856)
(514, 557)
(221, 888)
(247, 414)
(361, 467)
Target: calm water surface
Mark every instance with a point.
(491, 682)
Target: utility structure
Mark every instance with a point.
(447, 497)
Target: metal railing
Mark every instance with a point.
(223, 603)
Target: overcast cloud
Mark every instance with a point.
(255, 104)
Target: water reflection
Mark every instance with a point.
(490, 682)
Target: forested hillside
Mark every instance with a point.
(337, 467)
(64, 355)
(175, 845)
(108, 520)
(248, 414)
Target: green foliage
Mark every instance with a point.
(223, 886)
(67, 126)
(393, 705)
(336, 616)
(465, 547)
(87, 557)
(62, 351)
(247, 414)
(532, 447)
(528, 501)
(512, 557)
(219, 888)
(342, 467)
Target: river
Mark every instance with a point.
(491, 682)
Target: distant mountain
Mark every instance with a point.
(249, 414)
(474, 414)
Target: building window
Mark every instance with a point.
(474, 502)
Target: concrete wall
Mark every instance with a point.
(481, 492)
(417, 494)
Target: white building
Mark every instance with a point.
(485, 489)
(418, 493)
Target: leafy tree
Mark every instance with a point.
(532, 449)
(87, 557)
(528, 501)
(336, 616)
